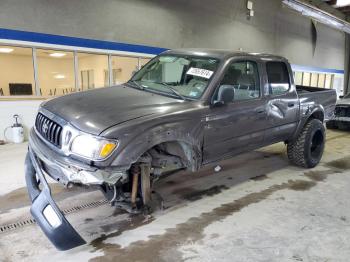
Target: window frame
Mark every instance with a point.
(38, 84)
(33, 96)
(260, 81)
(290, 79)
(112, 56)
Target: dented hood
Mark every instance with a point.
(96, 110)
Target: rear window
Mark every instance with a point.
(278, 77)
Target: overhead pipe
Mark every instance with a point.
(319, 15)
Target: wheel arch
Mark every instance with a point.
(191, 147)
(315, 113)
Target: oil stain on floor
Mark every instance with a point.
(193, 194)
(343, 163)
(164, 247)
(320, 175)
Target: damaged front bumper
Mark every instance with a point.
(41, 161)
(66, 170)
(45, 211)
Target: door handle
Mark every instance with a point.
(290, 104)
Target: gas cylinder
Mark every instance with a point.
(17, 131)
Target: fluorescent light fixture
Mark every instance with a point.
(60, 76)
(6, 50)
(318, 15)
(200, 53)
(57, 54)
(341, 3)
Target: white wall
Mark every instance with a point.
(339, 84)
(27, 111)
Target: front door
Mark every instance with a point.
(238, 125)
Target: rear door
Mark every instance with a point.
(283, 102)
(238, 125)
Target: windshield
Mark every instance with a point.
(347, 96)
(185, 77)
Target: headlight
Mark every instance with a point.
(92, 147)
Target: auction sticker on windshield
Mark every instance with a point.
(200, 72)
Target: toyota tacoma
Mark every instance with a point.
(184, 109)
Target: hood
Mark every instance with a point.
(95, 110)
(344, 101)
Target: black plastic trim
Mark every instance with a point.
(64, 236)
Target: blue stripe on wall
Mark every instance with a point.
(115, 46)
(316, 69)
(75, 41)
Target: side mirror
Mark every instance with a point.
(218, 103)
(226, 94)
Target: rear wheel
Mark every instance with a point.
(307, 150)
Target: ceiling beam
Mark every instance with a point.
(332, 2)
(319, 12)
(326, 7)
(344, 9)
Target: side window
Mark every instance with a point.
(242, 81)
(277, 74)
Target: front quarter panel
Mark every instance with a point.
(138, 136)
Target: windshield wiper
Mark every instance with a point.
(172, 89)
(137, 84)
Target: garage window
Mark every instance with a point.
(17, 73)
(55, 72)
(278, 78)
(92, 71)
(123, 68)
(43, 72)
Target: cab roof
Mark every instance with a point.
(221, 53)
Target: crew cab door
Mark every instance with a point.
(238, 124)
(282, 104)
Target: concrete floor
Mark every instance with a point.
(257, 208)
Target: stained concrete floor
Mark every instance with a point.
(257, 208)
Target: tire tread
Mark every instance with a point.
(296, 149)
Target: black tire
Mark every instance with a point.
(307, 150)
(331, 125)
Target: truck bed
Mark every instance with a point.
(326, 97)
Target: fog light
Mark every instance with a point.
(51, 216)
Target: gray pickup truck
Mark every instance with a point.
(183, 110)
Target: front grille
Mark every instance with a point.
(48, 129)
(342, 111)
